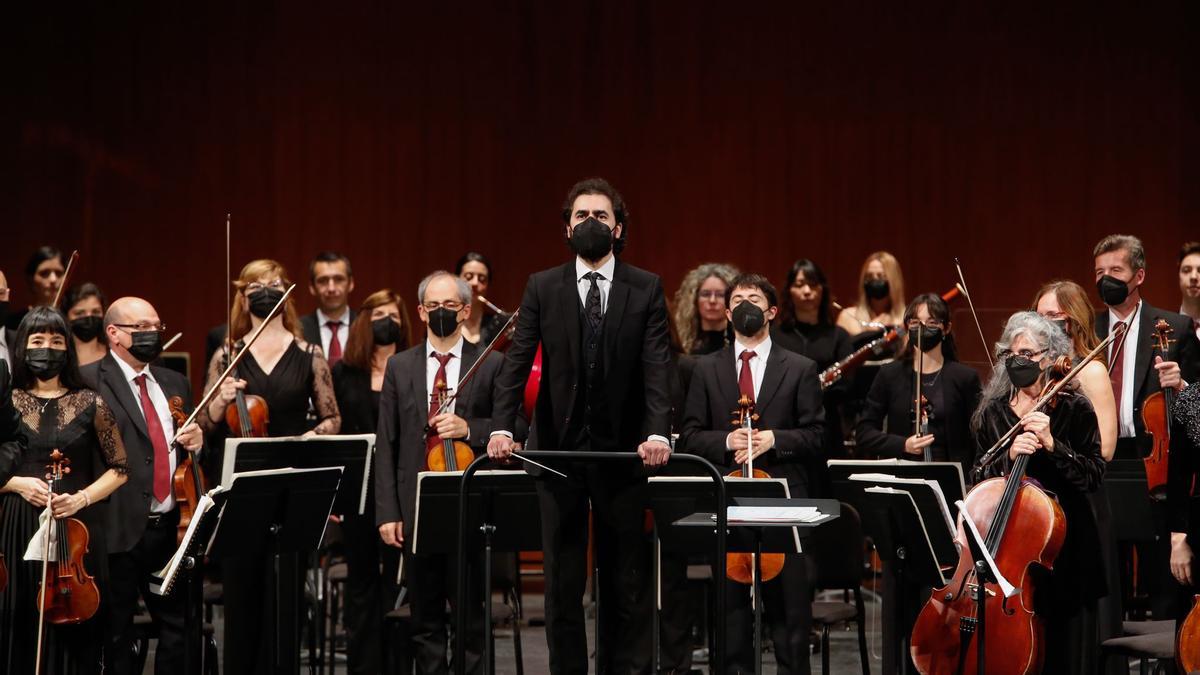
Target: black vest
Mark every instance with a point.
(590, 420)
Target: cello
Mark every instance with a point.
(1156, 415)
(1187, 643)
(740, 567)
(943, 633)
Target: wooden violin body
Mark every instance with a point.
(248, 416)
(188, 481)
(70, 593)
(740, 567)
(1156, 415)
(1187, 646)
(1034, 534)
(449, 455)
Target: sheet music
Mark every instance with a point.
(170, 572)
(969, 525)
(898, 480)
(778, 514)
(881, 489)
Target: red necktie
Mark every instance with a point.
(745, 378)
(162, 461)
(335, 345)
(434, 404)
(1117, 373)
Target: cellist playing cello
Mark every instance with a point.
(787, 437)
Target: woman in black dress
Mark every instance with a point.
(485, 323)
(885, 428)
(288, 373)
(57, 412)
(379, 331)
(1063, 444)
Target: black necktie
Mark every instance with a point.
(591, 308)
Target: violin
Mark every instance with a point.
(68, 594)
(921, 407)
(446, 454)
(188, 480)
(1187, 643)
(1023, 526)
(248, 415)
(740, 567)
(1156, 415)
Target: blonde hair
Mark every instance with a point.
(239, 320)
(895, 279)
(687, 321)
(1073, 301)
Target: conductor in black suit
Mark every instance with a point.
(788, 436)
(602, 325)
(407, 427)
(143, 514)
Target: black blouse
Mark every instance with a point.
(356, 401)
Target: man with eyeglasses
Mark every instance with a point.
(143, 514)
(787, 437)
(411, 426)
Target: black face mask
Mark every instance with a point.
(748, 319)
(45, 364)
(263, 301)
(87, 328)
(443, 321)
(930, 337)
(1022, 372)
(145, 345)
(386, 331)
(1113, 291)
(591, 240)
(1063, 325)
(877, 289)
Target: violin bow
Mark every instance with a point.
(212, 391)
(971, 303)
(489, 304)
(62, 283)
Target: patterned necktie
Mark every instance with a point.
(432, 440)
(158, 439)
(1116, 374)
(335, 344)
(746, 378)
(591, 308)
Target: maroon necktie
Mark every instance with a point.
(434, 404)
(1117, 373)
(162, 461)
(745, 378)
(335, 345)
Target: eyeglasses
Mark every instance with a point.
(712, 295)
(142, 327)
(452, 305)
(1024, 353)
(928, 323)
(254, 286)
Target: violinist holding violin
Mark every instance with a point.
(1063, 445)
(142, 518)
(411, 438)
(57, 413)
(788, 436)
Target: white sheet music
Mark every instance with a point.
(969, 525)
(897, 480)
(777, 514)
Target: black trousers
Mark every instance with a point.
(677, 615)
(431, 584)
(787, 611)
(622, 559)
(370, 591)
(129, 576)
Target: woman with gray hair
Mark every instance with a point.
(1063, 444)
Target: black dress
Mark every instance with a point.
(81, 425)
(1066, 598)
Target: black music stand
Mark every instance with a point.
(908, 539)
(351, 452)
(506, 506)
(771, 536)
(276, 513)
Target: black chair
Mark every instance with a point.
(1159, 647)
(835, 551)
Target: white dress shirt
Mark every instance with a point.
(453, 368)
(1125, 428)
(605, 284)
(4, 348)
(159, 400)
(327, 333)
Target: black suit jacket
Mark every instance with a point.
(12, 438)
(788, 403)
(636, 358)
(129, 506)
(312, 332)
(403, 413)
(1185, 351)
(891, 398)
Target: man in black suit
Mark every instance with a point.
(6, 333)
(788, 436)
(407, 428)
(330, 280)
(143, 514)
(602, 326)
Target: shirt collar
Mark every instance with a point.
(1113, 318)
(606, 269)
(323, 319)
(456, 350)
(131, 374)
(762, 351)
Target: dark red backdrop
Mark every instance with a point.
(404, 134)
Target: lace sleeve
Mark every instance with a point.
(323, 396)
(215, 367)
(111, 446)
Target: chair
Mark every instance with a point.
(1158, 646)
(835, 551)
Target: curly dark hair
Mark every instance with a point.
(752, 280)
(599, 186)
(43, 320)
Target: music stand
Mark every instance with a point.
(279, 513)
(351, 452)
